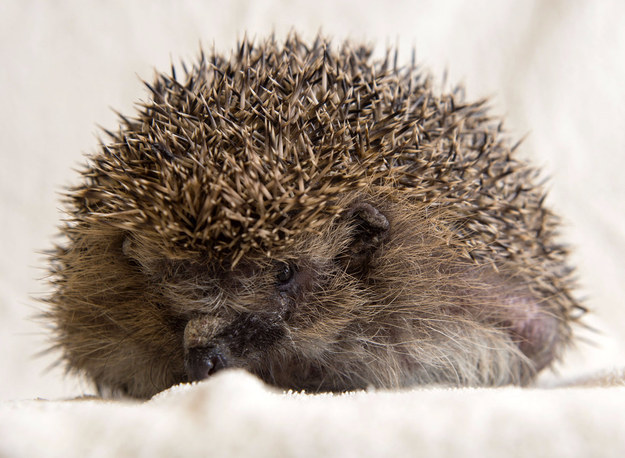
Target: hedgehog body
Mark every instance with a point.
(317, 217)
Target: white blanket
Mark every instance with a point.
(235, 414)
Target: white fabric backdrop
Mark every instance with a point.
(555, 69)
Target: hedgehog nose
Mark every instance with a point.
(202, 362)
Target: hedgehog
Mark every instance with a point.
(322, 218)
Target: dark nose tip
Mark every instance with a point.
(201, 362)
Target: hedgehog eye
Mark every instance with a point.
(285, 273)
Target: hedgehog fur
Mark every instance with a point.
(323, 219)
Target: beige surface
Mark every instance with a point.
(556, 69)
(233, 414)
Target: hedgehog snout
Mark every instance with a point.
(212, 344)
(202, 362)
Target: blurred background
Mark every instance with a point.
(554, 69)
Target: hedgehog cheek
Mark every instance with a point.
(369, 230)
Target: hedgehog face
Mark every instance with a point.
(282, 317)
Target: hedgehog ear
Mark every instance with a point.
(128, 250)
(127, 246)
(369, 229)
